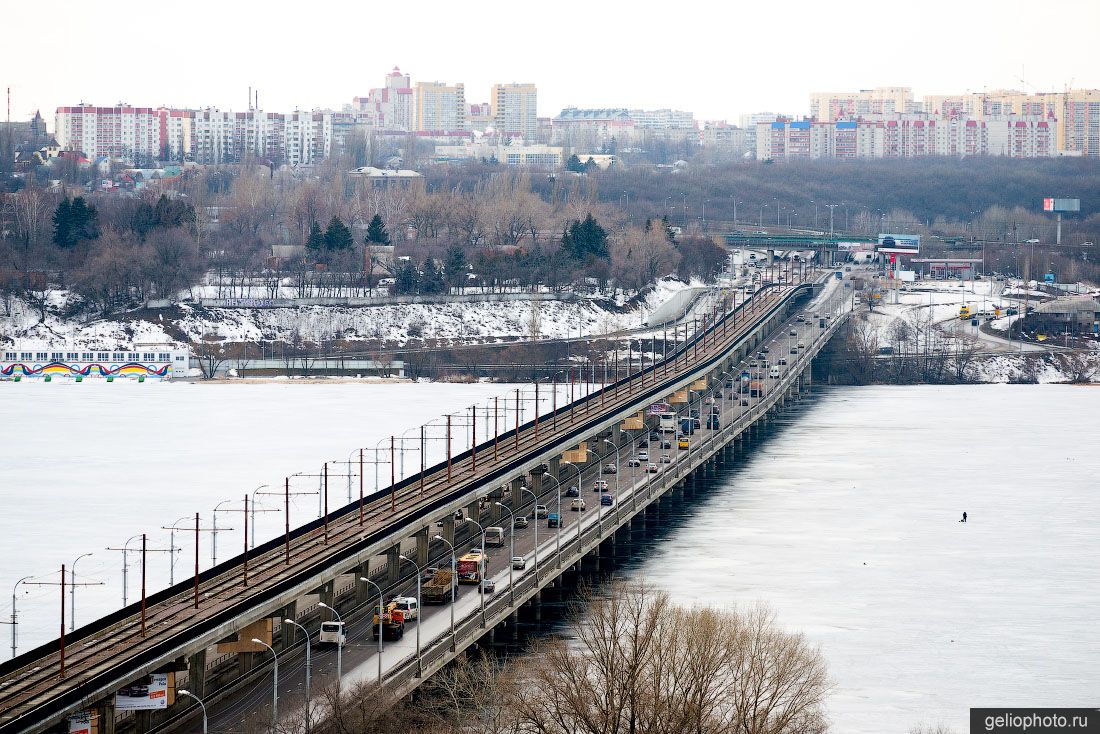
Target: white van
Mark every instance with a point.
(774, 373)
(494, 536)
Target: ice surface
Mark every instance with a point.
(846, 521)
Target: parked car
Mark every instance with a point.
(610, 469)
(520, 522)
(540, 511)
(577, 505)
(607, 500)
(519, 563)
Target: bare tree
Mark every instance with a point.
(211, 353)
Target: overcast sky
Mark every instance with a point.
(717, 59)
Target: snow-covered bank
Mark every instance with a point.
(390, 324)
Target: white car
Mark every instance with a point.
(643, 456)
(519, 563)
(577, 505)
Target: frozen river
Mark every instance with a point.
(845, 520)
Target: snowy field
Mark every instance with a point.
(846, 521)
(87, 466)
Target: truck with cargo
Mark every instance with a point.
(438, 589)
(756, 389)
(687, 426)
(390, 619)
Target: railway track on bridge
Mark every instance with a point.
(110, 652)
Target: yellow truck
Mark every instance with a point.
(964, 312)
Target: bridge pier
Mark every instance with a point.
(286, 636)
(327, 595)
(448, 533)
(393, 564)
(196, 673)
(421, 547)
(105, 712)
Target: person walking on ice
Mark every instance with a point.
(964, 517)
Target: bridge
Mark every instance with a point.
(199, 633)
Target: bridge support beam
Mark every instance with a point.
(196, 674)
(290, 611)
(105, 710)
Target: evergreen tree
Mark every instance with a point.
(405, 279)
(454, 266)
(143, 221)
(316, 240)
(431, 279)
(585, 238)
(63, 225)
(376, 232)
(668, 229)
(84, 220)
(574, 164)
(337, 235)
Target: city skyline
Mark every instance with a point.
(701, 71)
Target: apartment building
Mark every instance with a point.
(440, 107)
(391, 106)
(906, 136)
(515, 110)
(479, 117)
(833, 106)
(123, 131)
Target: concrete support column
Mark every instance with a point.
(422, 547)
(196, 675)
(143, 721)
(448, 529)
(616, 434)
(362, 588)
(554, 467)
(393, 564)
(290, 611)
(106, 712)
(326, 594)
(473, 510)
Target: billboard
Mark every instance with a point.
(908, 244)
(660, 409)
(1061, 205)
(82, 723)
(147, 696)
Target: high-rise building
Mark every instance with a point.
(440, 108)
(479, 116)
(833, 106)
(515, 110)
(123, 131)
(390, 107)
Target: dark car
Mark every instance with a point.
(573, 492)
(607, 500)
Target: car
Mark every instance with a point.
(782, 362)
(573, 491)
(744, 401)
(666, 444)
(643, 456)
(553, 520)
(577, 505)
(794, 350)
(666, 459)
(476, 549)
(607, 500)
(684, 443)
(599, 485)
(801, 319)
(794, 333)
(801, 345)
(633, 462)
(610, 469)
(753, 364)
(519, 563)
(654, 436)
(540, 511)
(718, 394)
(644, 444)
(694, 413)
(519, 522)
(761, 355)
(651, 468)
(487, 586)
(765, 349)
(715, 410)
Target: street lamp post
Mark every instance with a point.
(380, 607)
(14, 616)
(309, 669)
(511, 551)
(454, 569)
(484, 566)
(536, 518)
(419, 670)
(185, 692)
(557, 537)
(214, 534)
(339, 643)
(274, 685)
(72, 594)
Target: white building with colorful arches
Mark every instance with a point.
(35, 359)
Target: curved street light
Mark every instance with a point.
(511, 550)
(185, 692)
(536, 513)
(339, 643)
(381, 603)
(454, 570)
(419, 573)
(484, 567)
(274, 685)
(309, 669)
(72, 592)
